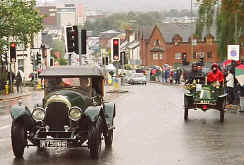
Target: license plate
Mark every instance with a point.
(53, 143)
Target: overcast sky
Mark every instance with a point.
(142, 5)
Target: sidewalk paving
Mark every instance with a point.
(25, 92)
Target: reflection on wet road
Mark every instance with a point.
(150, 129)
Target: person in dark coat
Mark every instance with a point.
(18, 79)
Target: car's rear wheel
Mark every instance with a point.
(18, 137)
(186, 113)
(95, 139)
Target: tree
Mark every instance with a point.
(19, 20)
(229, 22)
(59, 47)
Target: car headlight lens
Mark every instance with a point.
(38, 114)
(75, 113)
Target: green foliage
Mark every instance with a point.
(19, 20)
(229, 22)
(128, 67)
(59, 46)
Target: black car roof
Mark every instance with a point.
(72, 71)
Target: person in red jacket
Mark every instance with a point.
(215, 75)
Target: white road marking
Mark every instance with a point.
(4, 127)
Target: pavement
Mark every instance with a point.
(25, 92)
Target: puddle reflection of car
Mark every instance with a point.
(137, 78)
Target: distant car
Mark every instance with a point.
(137, 78)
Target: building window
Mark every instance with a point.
(21, 64)
(177, 56)
(200, 54)
(194, 55)
(155, 56)
(161, 56)
(210, 55)
(52, 14)
(157, 43)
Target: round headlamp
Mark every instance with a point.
(75, 113)
(38, 114)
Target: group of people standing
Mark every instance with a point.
(167, 75)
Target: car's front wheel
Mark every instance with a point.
(186, 114)
(95, 140)
(109, 138)
(18, 137)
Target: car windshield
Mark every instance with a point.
(57, 83)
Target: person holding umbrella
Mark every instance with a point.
(230, 86)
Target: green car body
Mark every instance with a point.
(67, 113)
(205, 98)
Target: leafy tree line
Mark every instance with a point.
(120, 21)
(228, 17)
(19, 20)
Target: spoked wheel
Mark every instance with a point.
(186, 114)
(18, 137)
(109, 138)
(95, 140)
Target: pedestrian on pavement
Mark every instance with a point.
(178, 76)
(18, 79)
(166, 74)
(230, 86)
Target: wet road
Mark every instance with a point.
(149, 130)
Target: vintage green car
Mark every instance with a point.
(73, 113)
(205, 97)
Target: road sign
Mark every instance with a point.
(233, 52)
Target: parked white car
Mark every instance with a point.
(137, 78)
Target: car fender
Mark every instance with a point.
(93, 112)
(21, 112)
(109, 113)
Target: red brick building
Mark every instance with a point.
(173, 43)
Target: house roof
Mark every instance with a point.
(168, 31)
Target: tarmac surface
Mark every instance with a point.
(150, 129)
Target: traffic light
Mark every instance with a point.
(12, 51)
(70, 46)
(115, 49)
(75, 40)
(72, 39)
(38, 58)
(83, 41)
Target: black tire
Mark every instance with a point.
(222, 111)
(95, 140)
(222, 116)
(109, 138)
(186, 114)
(18, 137)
